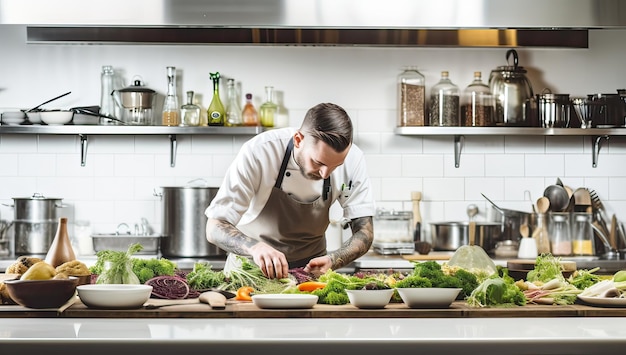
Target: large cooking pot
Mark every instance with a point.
(35, 223)
(449, 236)
(184, 222)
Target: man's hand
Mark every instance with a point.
(318, 266)
(272, 262)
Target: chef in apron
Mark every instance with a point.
(273, 204)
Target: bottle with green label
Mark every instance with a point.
(216, 110)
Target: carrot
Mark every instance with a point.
(243, 293)
(310, 286)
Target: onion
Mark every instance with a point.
(168, 287)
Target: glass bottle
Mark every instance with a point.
(249, 114)
(107, 103)
(60, 250)
(478, 105)
(582, 235)
(540, 234)
(560, 234)
(411, 98)
(233, 110)
(190, 112)
(216, 112)
(444, 102)
(170, 105)
(268, 108)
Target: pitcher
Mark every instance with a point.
(513, 94)
(136, 103)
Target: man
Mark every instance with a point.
(273, 204)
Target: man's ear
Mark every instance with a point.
(298, 137)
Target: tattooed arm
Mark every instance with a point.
(226, 236)
(356, 246)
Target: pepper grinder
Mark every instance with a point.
(416, 196)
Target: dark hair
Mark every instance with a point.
(329, 123)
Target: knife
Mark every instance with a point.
(214, 299)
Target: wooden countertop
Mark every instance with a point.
(236, 309)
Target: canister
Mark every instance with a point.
(392, 226)
(553, 110)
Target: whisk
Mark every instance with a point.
(582, 108)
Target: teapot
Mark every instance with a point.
(513, 94)
(136, 102)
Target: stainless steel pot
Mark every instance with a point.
(449, 236)
(35, 223)
(184, 222)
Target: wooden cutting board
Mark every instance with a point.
(527, 265)
(430, 256)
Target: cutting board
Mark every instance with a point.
(430, 256)
(529, 264)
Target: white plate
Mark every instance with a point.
(604, 301)
(284, 300)
(114, 296)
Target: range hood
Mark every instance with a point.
(485, 23)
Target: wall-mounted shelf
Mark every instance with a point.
(596, 134)
(85, 130)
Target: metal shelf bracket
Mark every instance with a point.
(458, 146)
(172, 150)
(83, 149)
(596, 145)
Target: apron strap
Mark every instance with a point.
(283, 167)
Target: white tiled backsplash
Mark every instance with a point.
(122, 173)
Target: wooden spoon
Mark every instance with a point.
(543, 204)
(524, 230)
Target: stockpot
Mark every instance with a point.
(184, 221)
(35, 223)
(449, 236)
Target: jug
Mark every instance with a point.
(136, 103)
(513, 94)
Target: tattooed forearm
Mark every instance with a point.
(228, 237)
(357, 245)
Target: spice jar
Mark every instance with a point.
(560, 236)
(582, 234)
(444, 102)
(411, 98)
(478, 104)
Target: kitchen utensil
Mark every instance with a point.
(510, 220)
(613, 232)
(513, 93)
(214, 299)
(472, 211)
(56, 118)
(493, 204)
(184, 221)
(151, 305)
(370, 299)
(599, 212)
(582, 200)
(543, 204)
(136, 103)
(416, 197)
(558, 197)
(114, 296)
(506, 249)
(553, 110)
(35, 223)
(559, 182)
(524, 230)
(46, 102)
(582, 109)
(449, 236)
(527, 248)
(428, 297)
(530, 199)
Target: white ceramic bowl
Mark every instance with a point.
(56, 117)
(12, 117)
(34, 117)
(370, 298)
(428, 297)
(114, 296)
(284, 300)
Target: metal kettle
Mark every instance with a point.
(513, 94)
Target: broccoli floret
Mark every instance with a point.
(144, 274)
(428, 269)
(467, 281)
(154, 266)
(414, 281)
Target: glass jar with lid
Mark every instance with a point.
(560, 234)
(477, 102)
(411, 98)
(444, 102)
(392, 226)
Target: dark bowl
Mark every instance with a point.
(42, 293)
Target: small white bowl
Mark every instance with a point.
(370, 298)
(56, 117)
(13, 118)
(428, 297)
(114, 296)
(34, 117)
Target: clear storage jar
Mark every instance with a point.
(444, 102)
(477, 104)
(411, 98)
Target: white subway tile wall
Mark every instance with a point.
(123, 174)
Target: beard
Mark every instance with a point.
(308, 175)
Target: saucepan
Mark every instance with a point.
(510, 220)
(449, 236)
